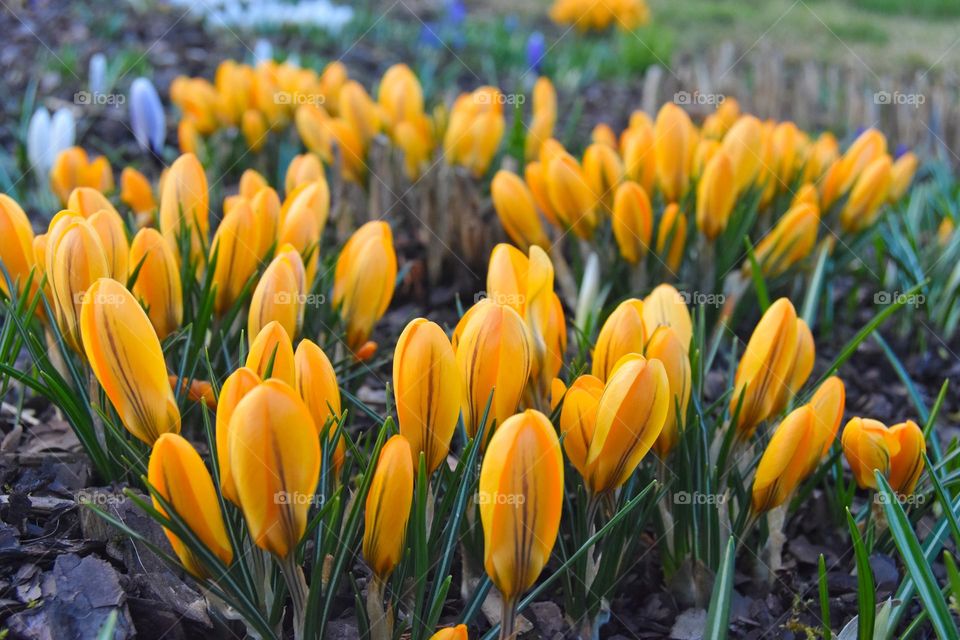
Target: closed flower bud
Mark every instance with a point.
(237, 385)
(765, 366)
(787, 460)
(603, 170)
(350, 147)
(427, 390)
(534, 174)
(494, 356)
(868, 194)
(630, 416)
(665, 346)
(188, 138)
(275, 459)
(632, 221)
(185, 207)
(603, 134)
(544, 116)
(672, 236)
(578, 419)
(302, 220)
(400, 95)
(667, 307)
(158, 283)
(250, 183)
(571, 196)
(828, 403)
(136, 192)
(109, 227)
(86, 201)
(901, 176)
(272, 345)
(791, 240)
(254, 129)
(521, 499)
(317, 385)
(311, 122)
(517, 211)
(236, 246)
(266, 212)
(303, 169)
(280, 294)
(806, 194)
(897, 452)
(716, 196)
(671, 140)
(622, 333)
(866, 149)
(127, 360)
(358, 108)
(176, 472)
(364, 280)
(387, 509)
(75, 260)
(639, 156)
(458, 632)
(16, 243)
(743, 145)
(73, 168)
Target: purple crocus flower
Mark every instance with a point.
(536, 51)
(456, 12)
(900, 150)
(146, 116)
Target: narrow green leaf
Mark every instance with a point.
(718, 615)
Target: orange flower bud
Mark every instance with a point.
(254, 129)
(639, 156)
(578, 419)
(621, 334)
(604, 172)
(109, 227)
(868, 194)
(515, 207)
(158, 283)
(237, 385)
(901, 176)
(16, 243)
(73, 168)
(828, 403)
(672, 230)
(359, 110)
(312, 125)
(458, 632)
(280, 294)
(632, 221)
(897, 452)
(136, 192)
(571, 196)
(716, 195)
(86, 201)
(185, 207)
(787, 460)
(743, 145)
(666, 346)
(237, 248)
(400, 95)
(544, 117)
(791, 240)
(666, 307)
(671, 140)
(272, 345)
(387, 508)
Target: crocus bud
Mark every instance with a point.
(303, 169)
(127, 359)
(743, 145)
(672, 236)
(272, 345)
(665, 346)
(427, 390)
(791, 240)
(544, 116)
(604, 171)
(47, 137)
(828, 403)
(364, 280)
(868, 194)
(521, 499)
(716, 196)
(578, 419)
(571, 196)
(75, 260)
(176, 472)
(136, 192)
(534, 174)
(158, 283)
(622, 333)
(302, 220)
(897, 452)
(494, 356)
(87, 200)
(901, 176)
(109, 227)
(73, 168)
(236, 246)
(630, 417)
(387, 508)
(866, 149)
(146, 116)
(400, 95)
(16, 243)
(639, 156)
(359, 110)
(458, 632)
(415, 139)
(787, 460)
(275, 459)
(764, 369)
(280, 294)
(515, 207)
(266, 207)
(632, 221)
(671, 140)
(317, 385)
(806, 194)
(254, 129)
(603, 134)
(667, 307)
(185, 207)
(237, 385)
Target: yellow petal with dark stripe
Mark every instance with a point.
(387, 508)
(237, 385)
(158, 281)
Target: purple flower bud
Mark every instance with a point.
(456, 12)
(536, 51)
(146, 116)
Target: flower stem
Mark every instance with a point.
(297, 586)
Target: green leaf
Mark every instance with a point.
(718, 615)
(866, 590)
(824, 592)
